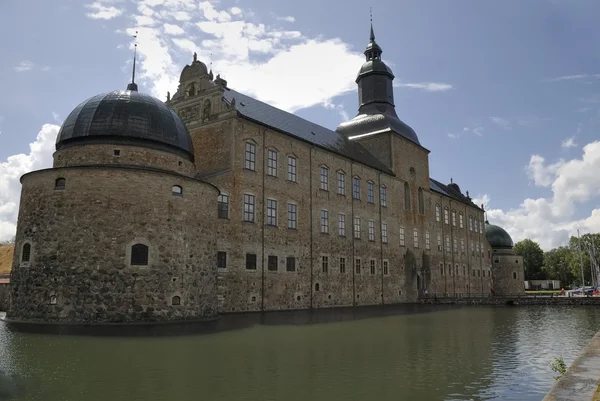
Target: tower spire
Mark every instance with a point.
(373, 51)
(372, 36)
(133, 86)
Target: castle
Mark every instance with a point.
(216, 202)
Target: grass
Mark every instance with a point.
(543, 292)
(6, 258)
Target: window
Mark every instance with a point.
(478, 273)
(481, 225)
(439, 242)
(384, 237)
(357, 266)
(464, 270)
(356, 188)
(455, 245)
(250, 156)
(341, 183)
(342, 265)
(272, 163)
(473, 272)
(437, 213)
(53, 299)
(342, 225)
(383, 195)
(223, 206)
(402, 239)
(249, 208)
(456, 270)
(441, 269)
(454, 218)
(515, 275)
(325, 264)
(292, 215)
(406, 196)
(290, 264)
(117, 152)
(476, 225)
(222, 259)
(139, 255)
(26, 253)
(177, 190)
(447, 243)
(427, 241)
(449, 269)
(460, 218)
(481, 249)
(324, 178)
(324, 221)
(370, 195)
(271, 212)
(477, 248)
(357, 227)
(470, 223)
(272, 263)
(386, 268)
(292, 168)
(421, 199)
(316, 287)
(446, 215)
(251, 261)
(371, 230)
(60, 183)
(416, 237)
(372, 267)
(462, 246)
(176, 300)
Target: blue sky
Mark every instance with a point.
(505, 94)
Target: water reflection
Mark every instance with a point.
(446, 354)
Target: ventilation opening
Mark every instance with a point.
(176, 300)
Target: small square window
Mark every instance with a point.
(117, 152)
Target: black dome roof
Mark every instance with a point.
(497, 236)
(126, 117)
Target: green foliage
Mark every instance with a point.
(533, 259)
(559, 367)
(557, 265)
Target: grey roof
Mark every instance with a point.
(497, 236)
(126, 117)
(300, 128)
(450, 191)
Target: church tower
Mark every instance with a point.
(377, 122)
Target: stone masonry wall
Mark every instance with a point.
(509, 275)
(101, 154)
(4, 298)
(81, 240)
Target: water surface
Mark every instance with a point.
(470, 353)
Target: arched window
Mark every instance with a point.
(406, 196)
(26, 253)
(176, 300)
(191, 89)
(53, 300)
(139, 255)
(60, 183)
(177, 190)
(421, 201)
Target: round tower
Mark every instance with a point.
(507, 267)
(119, 229)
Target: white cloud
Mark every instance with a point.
(578, 77)
(478, 131)
(101, 11)
(289, 18)
(56, 117)
(452, 136)
(24, 65)
(235, 11)
(171, 29)
(549, 221)
(502, 122)
(568, 143)
(11, 170)
(428, 86)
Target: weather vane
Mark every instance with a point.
(371, 14)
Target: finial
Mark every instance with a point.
(372, 37)
(133, 86)
(195, 57)
(451, 181)
(168, 96)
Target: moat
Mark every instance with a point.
(413, 353)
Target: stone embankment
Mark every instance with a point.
(512, 300)
(4, 286)
(581, 380)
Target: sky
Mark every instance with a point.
(505, 94)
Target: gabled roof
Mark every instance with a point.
(447, 190)
(291, 124)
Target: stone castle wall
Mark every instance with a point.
(104, 154)
(509, 275)
(81, 238)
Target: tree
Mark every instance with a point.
(557, 265)
(584, 242)
(533, 259)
